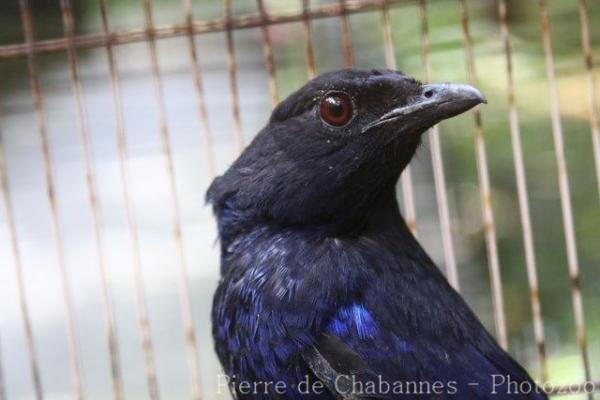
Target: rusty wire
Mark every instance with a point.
(485, 190)
(36, 94)
(522, 193)
(268, 54)
(233, 86)
(408, 196)
(346, 35)
(19, 278)
(184, 289)
(565, 193)
(224, 24)
(111, 335)
(308, 46)
(388, 42)
(121, 139)
(438, 164)
(201, 103)
(586, 47)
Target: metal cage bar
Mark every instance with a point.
(200, 100)
(485, 191)
(36, 94)
(408, 195)
(523, 196)
(82, 119)
(308, 44)
(588, 58)
(565, 192)
(19, 278)
(184, 289)
(223, 24)
(438, 164)
(268, 54)
(233, 85)
(346, 35)
(121, 140)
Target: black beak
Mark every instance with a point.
(435, 103)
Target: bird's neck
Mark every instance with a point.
(381, 220)
(385, 221)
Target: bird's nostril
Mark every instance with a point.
(428, 93)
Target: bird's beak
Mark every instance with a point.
(435, 103)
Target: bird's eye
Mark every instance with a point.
(336, 109)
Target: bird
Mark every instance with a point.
(324, 292)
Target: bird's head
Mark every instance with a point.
(337, 144)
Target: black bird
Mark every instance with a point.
(324, 292)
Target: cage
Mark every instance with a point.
(115, 120)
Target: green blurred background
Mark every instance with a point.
(25, 172)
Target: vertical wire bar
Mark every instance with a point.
(72, 338)
(515, 133)
(268, 54)
(184, 289)
(485, 191)
(111, 328)
(308, 46)
(233, 85)
(143, 319)
(438, 164)
(18, 270)
(586, 47)
(408, 195)
(565, 193)
(346, 37)
(197, 74)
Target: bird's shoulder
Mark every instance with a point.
(277, 291)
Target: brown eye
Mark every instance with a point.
(336, 109)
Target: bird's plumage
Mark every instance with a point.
(322, 285)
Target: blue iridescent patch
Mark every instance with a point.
(354, 317)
